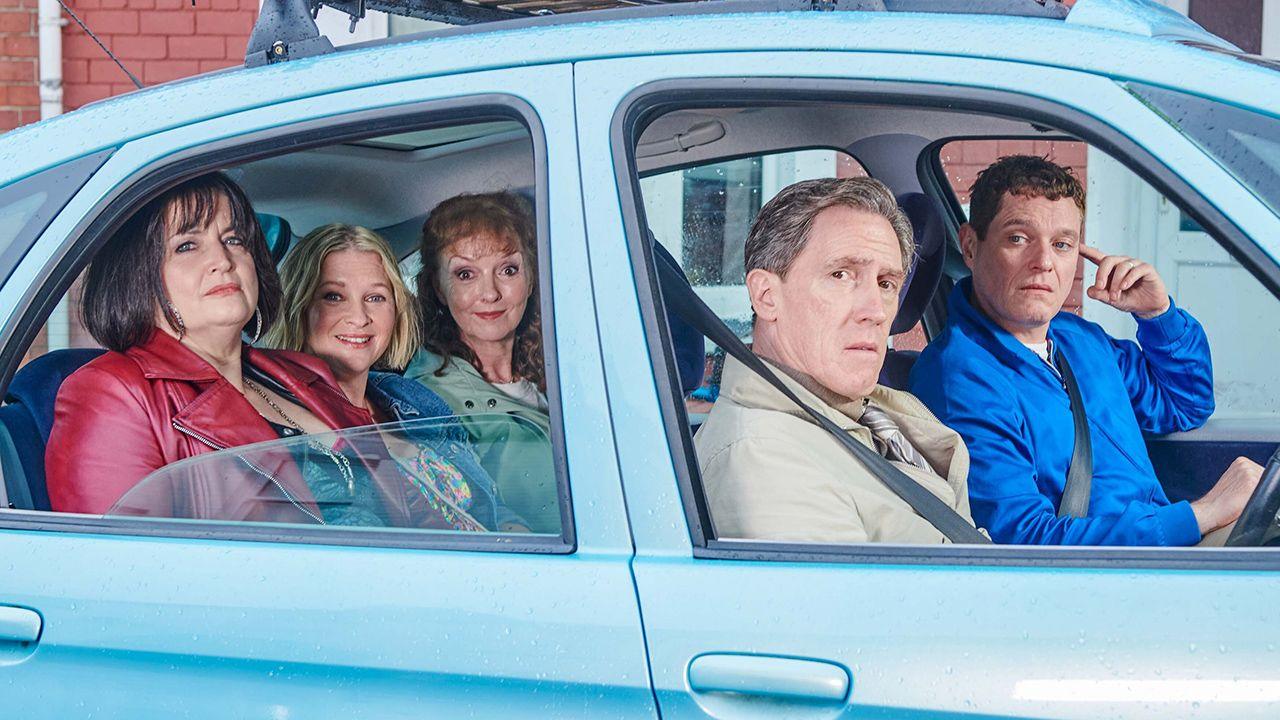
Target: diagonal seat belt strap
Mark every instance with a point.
(1075, 494)
(679, 295)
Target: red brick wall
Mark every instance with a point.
(19, 92)
(964, 159)
(157, 40)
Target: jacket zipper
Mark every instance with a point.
(187, 431)
(252, 466)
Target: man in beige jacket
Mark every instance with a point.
(825, 261)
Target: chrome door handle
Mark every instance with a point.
(19, 625)
(769, 675)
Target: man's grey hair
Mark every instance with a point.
(782, 228)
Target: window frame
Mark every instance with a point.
(106, 216)
(647, 102)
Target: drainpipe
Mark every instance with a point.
(58, 328)
(51, 23)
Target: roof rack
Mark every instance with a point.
(286, 29)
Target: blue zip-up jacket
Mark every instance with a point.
(1013, 413)
(407, 400)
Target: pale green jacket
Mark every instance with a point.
(512, 439)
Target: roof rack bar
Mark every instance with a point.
(446, 11)
(1055, 9)
(286, 28)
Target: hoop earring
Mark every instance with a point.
(177, 319)
(257, 327)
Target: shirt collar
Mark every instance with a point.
(995, 339)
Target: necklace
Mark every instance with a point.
(342, 463)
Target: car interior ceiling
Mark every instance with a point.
(395, 187)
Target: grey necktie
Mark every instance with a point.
(889, 439)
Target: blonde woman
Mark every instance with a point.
(345, 303)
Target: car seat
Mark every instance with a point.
(26, 420)
(922, 282)
(690, 349)
(277, 233)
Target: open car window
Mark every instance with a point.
(422, 474)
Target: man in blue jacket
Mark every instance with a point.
(995, 375)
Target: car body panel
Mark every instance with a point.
(953, 639)
(1027, 40)
(218, 628)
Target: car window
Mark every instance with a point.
(734, 455)
(424, 474)
(1126, 216)
(1246, 143)
(456, 453)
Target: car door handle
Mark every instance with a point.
(19, 625)
(769, 675)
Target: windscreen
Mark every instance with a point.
(1246, 143)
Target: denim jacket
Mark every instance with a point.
(406, 400)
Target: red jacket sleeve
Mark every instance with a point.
(102, 442)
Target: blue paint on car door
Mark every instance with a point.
(135, 627)
(929, 636)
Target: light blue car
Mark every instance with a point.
(673, 122)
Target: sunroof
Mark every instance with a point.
(437, 137)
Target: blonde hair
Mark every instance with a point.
(300, 276)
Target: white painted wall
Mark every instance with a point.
(1271, 28)
(1127, 216)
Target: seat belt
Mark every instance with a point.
(678, 294)
(1075, 494)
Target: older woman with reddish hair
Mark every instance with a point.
(482, 342)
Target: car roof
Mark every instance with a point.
(1036, 41)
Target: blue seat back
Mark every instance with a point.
(690, 349)
(922, 282)
(27, 416)
(922, 279)
(277, 233)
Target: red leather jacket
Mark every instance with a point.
(124, 415)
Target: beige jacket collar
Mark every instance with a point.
(940, 445)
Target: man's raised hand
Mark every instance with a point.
(1126, 284)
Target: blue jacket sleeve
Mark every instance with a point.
(1004, 491)
(1168, 372)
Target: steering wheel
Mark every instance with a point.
(1257, 523)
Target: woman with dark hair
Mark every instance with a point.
(482, 342)
(170, 296)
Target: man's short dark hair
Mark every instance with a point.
(125, 289)
(1022, 175)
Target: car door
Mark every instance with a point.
(752, 629)
(113, 617)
